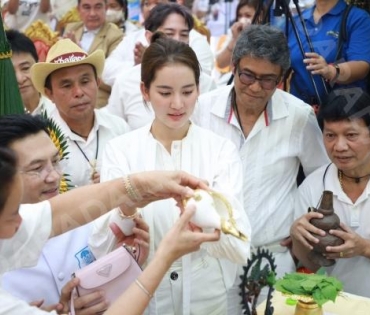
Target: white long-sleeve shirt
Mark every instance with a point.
(201, 153)
(285, 135)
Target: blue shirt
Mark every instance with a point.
(324, 37)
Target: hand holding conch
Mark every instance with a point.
(213, 210)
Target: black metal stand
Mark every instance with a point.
(257, 276)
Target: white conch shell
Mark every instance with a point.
(213, 211)
(206, 215)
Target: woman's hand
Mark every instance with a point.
(183, 238)
(156, 185)
(236, 29)
(139, 240)
(138, 52)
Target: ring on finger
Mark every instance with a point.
(341, 254)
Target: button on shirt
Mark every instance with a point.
(285, 135)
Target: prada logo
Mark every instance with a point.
(104, 271)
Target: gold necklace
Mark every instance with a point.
(340, 176)
(356, 179)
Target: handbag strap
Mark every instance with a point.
(72, 305)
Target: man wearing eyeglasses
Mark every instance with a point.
(275, 132)
(38, 163)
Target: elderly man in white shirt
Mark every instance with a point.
(274, 131)
(126, 100)
(70, 78)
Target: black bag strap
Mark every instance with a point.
(343, 35)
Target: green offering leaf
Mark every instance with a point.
(329, 292)
(320, 287)
(308, 285)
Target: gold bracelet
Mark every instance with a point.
(131, 191)
(124, 216)
(140, 285)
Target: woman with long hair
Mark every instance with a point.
(170, 82)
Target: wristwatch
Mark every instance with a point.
(337, 72)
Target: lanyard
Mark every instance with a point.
(92, 163)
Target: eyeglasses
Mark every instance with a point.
(249, 78)
(45, 171)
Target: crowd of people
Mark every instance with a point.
(146, 119)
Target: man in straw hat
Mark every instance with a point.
(70, 78)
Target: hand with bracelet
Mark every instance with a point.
(80, 206)
(144, 188)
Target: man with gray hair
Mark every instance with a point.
(274, 131)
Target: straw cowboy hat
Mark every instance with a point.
(64, 53)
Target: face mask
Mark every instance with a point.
(114, 16)
(245, 21)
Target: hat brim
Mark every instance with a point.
(41, 70)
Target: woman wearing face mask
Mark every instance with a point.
(117, 13)
(245, 12)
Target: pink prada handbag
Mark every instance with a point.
(112, 274)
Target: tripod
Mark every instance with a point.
(227, 14)
(282, 7)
